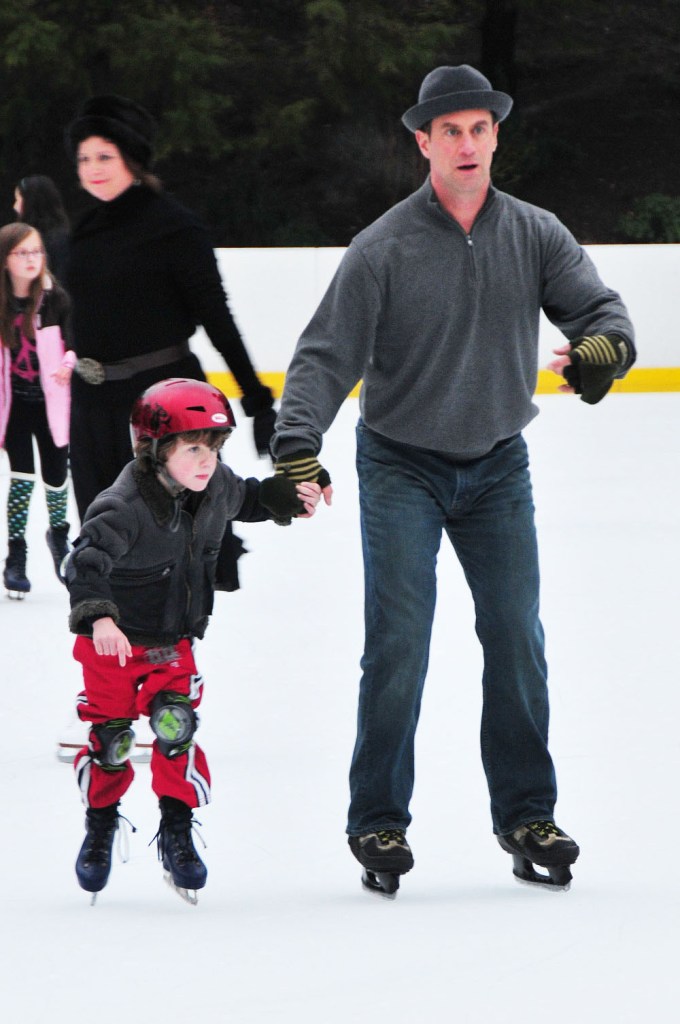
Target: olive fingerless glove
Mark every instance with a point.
(596, 361)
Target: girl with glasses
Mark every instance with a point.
(36, 362)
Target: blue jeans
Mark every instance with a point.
(485, 506)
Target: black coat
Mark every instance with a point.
(145, 559)
(142, 276)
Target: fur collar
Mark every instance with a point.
(164, 508)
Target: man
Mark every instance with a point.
(436, 306)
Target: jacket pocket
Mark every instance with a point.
(144, 597)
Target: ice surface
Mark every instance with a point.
(282, 931)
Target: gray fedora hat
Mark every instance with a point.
(448, 89)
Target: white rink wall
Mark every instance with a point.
(274, 292)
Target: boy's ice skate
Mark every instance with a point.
(544, 844)
(385, 856)
(93, 865)
(14, 576)
(184, 871)
(58, 543)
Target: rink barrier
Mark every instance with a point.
(642, 379)
(293, 281)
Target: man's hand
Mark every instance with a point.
(590, 365)
(305, 466)
(108, 639)
(283, 493)
(310, 495)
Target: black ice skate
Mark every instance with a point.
(93, 865)
(58, 543)
(184, 871)
(14, 576)
(544, 844)
(385, 856)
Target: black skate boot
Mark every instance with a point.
(93, 866)
(542, 843)
(185, 872)
(14, 576)
(58, 543)
(384, 856)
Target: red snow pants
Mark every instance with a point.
(112, 692)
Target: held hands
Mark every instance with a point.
(310, 496)
(108, 639)
(590, 365)
(296, 488)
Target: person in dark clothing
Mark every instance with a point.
(435, 307)
(142, 276)
(141, 580)
(38, 202)
(36, 362)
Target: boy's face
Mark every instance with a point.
(192, 464)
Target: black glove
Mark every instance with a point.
(259, 404)
(595, 361)
(278, 492)
(279, 495)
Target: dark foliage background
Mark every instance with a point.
(280, 121)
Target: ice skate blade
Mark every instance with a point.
(66, 753)
(545, 883)
(558, 878)
(17, 595)
(380, 883)
(188, 895)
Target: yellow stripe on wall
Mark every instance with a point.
(644, 378)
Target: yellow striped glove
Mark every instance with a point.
(278, 494)
(595, 361)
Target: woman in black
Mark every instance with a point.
(142, 276)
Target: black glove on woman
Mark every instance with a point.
(260, 405)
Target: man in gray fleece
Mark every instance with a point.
(436, 308)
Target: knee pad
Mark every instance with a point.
(112, 743)
(173, 721)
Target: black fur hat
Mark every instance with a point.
(121, 121)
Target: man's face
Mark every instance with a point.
(460, 148)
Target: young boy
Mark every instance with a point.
(141, 579)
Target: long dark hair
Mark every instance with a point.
(11, 236)
(42, 205)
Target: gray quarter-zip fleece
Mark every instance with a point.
(443, 326)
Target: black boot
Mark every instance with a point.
(93, 866)
(175, 845)
(58, 543)
(14, 576)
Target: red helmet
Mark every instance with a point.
(178, 405)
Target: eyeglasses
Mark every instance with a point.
(27, 254)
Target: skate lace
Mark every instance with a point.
(392, 835)
(100, 838)
(181, 838)
(544, 828)
(123, 838)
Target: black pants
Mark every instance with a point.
(100, 448)
(28, 420)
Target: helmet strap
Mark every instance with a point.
(161, 472)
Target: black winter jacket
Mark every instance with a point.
(147, 561)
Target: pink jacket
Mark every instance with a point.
(52, 354)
